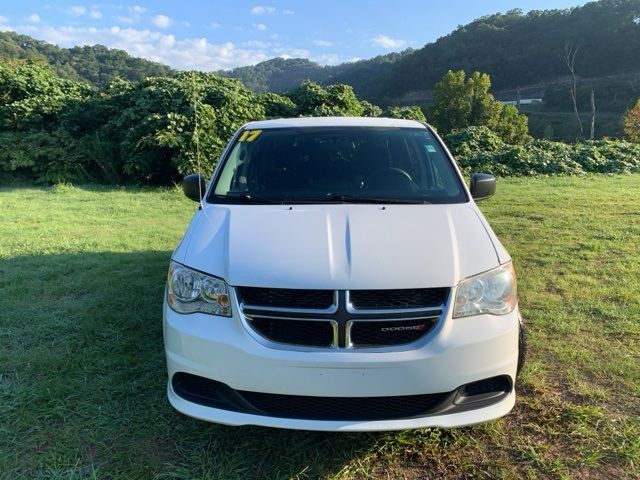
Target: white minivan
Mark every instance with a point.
(338, 275)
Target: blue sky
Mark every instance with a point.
(211, 35)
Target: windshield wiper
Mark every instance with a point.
(329, 197)
(345, 198)
(249, 198)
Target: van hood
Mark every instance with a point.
(339, 246)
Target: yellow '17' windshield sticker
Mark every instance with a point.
(249, 135)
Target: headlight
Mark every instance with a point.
(190, 291)
(491, 292)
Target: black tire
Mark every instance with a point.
(522, 347)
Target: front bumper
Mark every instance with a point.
(461, 351)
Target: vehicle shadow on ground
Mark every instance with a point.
(83, 333)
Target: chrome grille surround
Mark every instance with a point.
(342, 317)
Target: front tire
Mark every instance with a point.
(522, 347)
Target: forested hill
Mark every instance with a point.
(96, 64)
(516, 49)
(280, 75)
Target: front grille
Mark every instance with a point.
(313, 333)
(286, 297)
(398, 299)
(343, 408)
(328, 318)
(393, 332)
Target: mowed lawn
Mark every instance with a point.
(82, 373)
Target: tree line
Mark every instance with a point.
(54, 129)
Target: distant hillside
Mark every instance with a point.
(514, 48)
(97, 64)
(517, 49)
(279, 74)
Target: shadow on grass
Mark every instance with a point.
(83, 382)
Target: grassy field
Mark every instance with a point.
(82, 374)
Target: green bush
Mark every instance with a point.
(543, 157)
(45, 157)
(460, 102)
(466, 141)
(410, 113)
(277, 106)
(56, 131)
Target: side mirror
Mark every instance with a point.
(482, 186)
(193, 185)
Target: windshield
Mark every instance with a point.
(344, 165)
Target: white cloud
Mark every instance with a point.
(259, 26)
(286, 52)
(327, 59)
(332, 59)
(323, 43)
(186, 53)
(33, 18)
(135, 14)
(387, 42)
(161, 21)
(95, 14)
(262, 10)
(77, 10)
(256, 44)
(214, 25)
(288, 12)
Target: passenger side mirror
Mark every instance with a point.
(193, 185)
(482, 186)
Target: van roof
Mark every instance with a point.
(334, 122)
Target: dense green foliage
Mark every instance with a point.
(410, 113)
(277, 106)
(154, 131)
(460, 102)
(95, 64)
(57, 130)
(314, 100)
(33, 97)
(54, 130)
(472, 140)
(478, 149)
(632, 123)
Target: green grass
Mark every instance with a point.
(82, 374)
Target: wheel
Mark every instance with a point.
(522, 347)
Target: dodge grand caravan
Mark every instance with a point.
(338, 275)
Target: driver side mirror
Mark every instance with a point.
(482, 186)
(193, 185)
